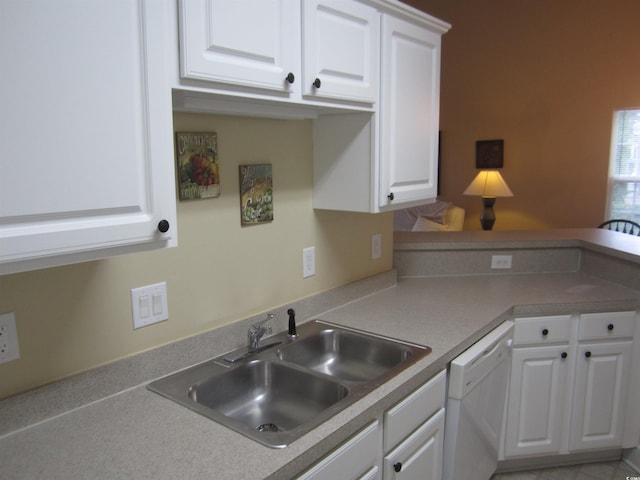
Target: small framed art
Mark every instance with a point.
(256, 194)
(489, 153)
(197, 158)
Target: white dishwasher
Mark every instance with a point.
(478, 381)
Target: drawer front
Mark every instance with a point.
(602, 326)
(414, 410)
(355, 459)
(542, 330)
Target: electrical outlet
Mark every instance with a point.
(376, 246)
(149, 305)
(308, 262)
(8, 338)
(501, 261)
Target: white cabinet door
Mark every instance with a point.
(86, 131)
(409, 113)
(357, 459)
(537, 398)
(419, 457)
(602, 380)
(251, 43)
(341, 50)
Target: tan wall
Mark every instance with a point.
(545, 76)
(76, 317)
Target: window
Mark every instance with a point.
(624, 166)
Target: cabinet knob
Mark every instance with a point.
(587, 354)
(290, 77)
(545, 332)
(163, 226)
(563, 354)
(391, 196)
(397, 466)
(610, 327)
(317, 83)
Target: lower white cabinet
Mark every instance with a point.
(569, 383)
(414, 434)
(356, 459)
(419, 457)
(410, 448)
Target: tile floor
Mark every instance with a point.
(590, 471)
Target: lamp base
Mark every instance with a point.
(488, 216)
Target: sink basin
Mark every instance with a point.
(346, 355)
(267, 396)
(287, 387)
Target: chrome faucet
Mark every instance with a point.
(257, 331)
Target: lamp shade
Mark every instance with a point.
(488, 183)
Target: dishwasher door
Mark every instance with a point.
(475, 408)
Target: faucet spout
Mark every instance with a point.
(257, 331)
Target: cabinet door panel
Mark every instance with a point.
(254, 43)
(410, 112)
(601, 392)
(341, 49)
(87, 159)
(536, 404)
(419, 457)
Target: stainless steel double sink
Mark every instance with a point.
(291, 385)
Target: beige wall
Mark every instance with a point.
(76, 317)
(545, 76)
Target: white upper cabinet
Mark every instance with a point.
(87, 150)
(409, 112)
(250, 43)
(341, 50)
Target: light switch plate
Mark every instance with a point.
(149, 305)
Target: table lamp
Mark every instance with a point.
(488, 184)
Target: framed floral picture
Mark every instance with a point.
(197, 157)
(256, 194)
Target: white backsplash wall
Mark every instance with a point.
(76, 317)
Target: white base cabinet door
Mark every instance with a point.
(536, 403)
(419, 457)
(602, 380)
(87, 149)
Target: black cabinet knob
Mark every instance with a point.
(290, 77)
(545, 332)
(391, 196)
(317, 83)
(397, 466)
(610, 327)
(563, 354)
(163, 226)
(587, 354)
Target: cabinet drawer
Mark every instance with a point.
(414, 410)
(355, 459)
(602, 326)
(542, 330)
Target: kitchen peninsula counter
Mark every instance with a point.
(131, 432)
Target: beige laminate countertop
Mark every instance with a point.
(135, 433)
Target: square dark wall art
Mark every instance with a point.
(489, 153)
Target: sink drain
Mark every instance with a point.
(268, 427)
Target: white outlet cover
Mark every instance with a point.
(308, 262)
(376, 246)
(8, 338)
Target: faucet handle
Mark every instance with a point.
(260, 323)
